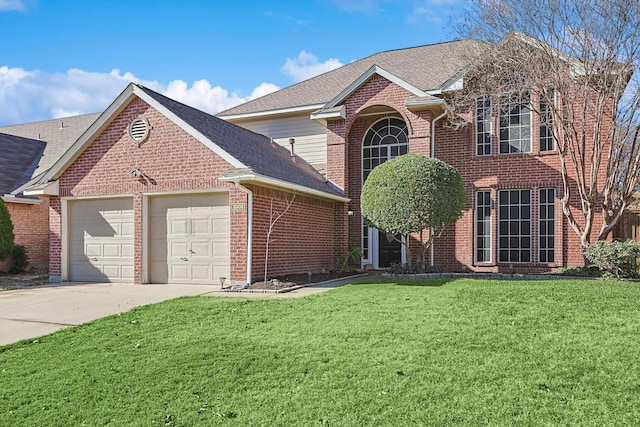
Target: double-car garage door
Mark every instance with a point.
(188, 239)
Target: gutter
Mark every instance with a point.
(10, 198)
(433, 155)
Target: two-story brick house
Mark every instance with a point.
(156, 191)
(349, 120)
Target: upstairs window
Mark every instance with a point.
(515, 123)
(547, 141)
(483, 126)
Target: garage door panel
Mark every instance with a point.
(101, 240)
(186, 231)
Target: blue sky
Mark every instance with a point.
(67, 57)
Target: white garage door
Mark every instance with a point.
(101, 240)
(189, 238)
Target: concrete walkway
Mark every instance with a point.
(33, 312)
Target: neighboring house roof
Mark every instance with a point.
(20, 157)
(59, 134)
(427, 68)
(254, 158)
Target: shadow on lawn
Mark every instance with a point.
(373, 280)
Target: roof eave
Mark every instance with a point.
(275, 112)
(11, 198)
(250, 177)
(51, 188)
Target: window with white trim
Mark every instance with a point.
(483, 126)
(515, 123)
(547, 141)
(546, 225)
(483, 226)
(514, 229)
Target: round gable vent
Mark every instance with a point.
(139, 129)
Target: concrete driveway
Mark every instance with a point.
(33, 312)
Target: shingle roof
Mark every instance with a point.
(425, 67)
(20, 157)
(255, 151)
(59, 134)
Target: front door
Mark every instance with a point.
(389, 249)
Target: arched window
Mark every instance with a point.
(385, 139)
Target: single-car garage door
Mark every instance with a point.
(189, 238)
(101, 240)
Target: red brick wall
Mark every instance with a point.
(171, 160)
(302, 239)
(454, 251)
(31, 229)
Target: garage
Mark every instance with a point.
(101, 240)
(189, 238)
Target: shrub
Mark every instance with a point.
(617, 259)
(7, 238)
(418, 268)
(20, 259)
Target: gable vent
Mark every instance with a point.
(139, 129)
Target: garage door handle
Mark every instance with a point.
(184, 258)
(94, 259)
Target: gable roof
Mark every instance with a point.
(252, 156)
(426, 68)
(20, 157)
(59, 134)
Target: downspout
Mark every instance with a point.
(432, 153)
(249, 227)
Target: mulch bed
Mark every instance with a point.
(291, 280)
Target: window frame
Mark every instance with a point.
(508, 107)
(486, 221)
(509, 221)
(549, 221)
(545, 125)
(482, 110)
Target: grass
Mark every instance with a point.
(460, 352)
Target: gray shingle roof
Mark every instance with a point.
(425, 67)
(255, 151)
(59, 134)
(19, 159)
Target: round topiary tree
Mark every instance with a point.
(7, 238)
(412, 193)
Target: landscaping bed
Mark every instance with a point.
(301, 279)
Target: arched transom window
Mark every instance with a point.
(386, 139)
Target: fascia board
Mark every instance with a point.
(10, 198)
(87, 137)
(366, 76)
(51, 188)
(273, 182)
(279, 111)
(188, 128)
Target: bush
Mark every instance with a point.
(7, 238)
(20, 259)
(616, 259)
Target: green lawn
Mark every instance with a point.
(442, 352)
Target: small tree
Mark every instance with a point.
(274, 217)
(7, 238)
(411, 193)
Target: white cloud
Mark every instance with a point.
(306, 65)
(13, 5)
(27, 96)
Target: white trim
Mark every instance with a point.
(323, 115)
(51, 188)
(10, 198)
(116, 107)
(249, 249)
(188, 128)
(64, 240)
(268, 181)
(277, 111)
(368, 74)
(146, 247)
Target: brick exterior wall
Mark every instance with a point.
(454, 251)
(301, 239)
(171, 161)
(31, 230)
